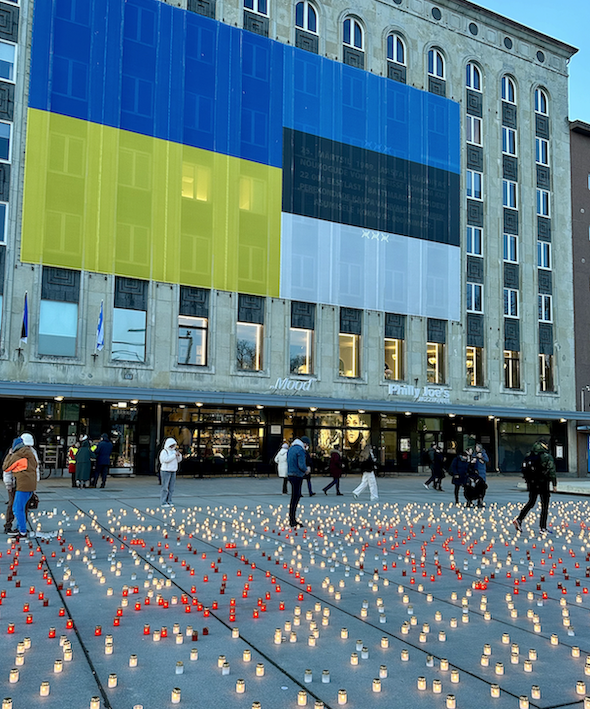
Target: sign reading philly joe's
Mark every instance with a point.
(430, 395)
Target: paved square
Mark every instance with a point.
(410, 602)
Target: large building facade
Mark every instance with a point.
(289, 217)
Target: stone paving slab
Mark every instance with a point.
(401, 576)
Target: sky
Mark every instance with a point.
(566, 20)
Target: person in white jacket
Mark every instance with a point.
(170, 458)
(368, 463)
(281, 461)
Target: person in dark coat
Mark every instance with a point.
(84, 458)
(459, 471)
(297, 469)
(335, 470)
(307, 476)
(437, 473)
(103, 460)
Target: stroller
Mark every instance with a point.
(474, 489)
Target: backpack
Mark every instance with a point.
(533, 469)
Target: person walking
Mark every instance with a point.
(307, 476)
(72, 451)
(282, 468)
(436, 457)
(480, 460)
(103, 460)
(539, 473)
(170, 458)
(459, 470)
(335, 470)
(84, 458)
(296, 469)
(22, 463)
(368, 463)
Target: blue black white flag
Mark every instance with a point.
(24, 333)
(100, 329)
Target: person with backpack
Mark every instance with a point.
(538, 469)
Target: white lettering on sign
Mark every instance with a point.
(292, 385)
(427, 394)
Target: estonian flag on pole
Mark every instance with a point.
(24, 333)
(100, 330)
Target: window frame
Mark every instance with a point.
(511, 302)
(14, 64)
(471, 239)
(256, 7)
(471, 71)
(204, 329)
(543, 203)
(75, 322)
(545, 302)
(145, 341)
(508, 241)
(546, 384)
(354, 23)
(307, 5)
(473, 292)
(512, 369)
(506, 134)
(398, 361)
(507, 82)
(4, 231)
(510, 194)
(540, 98)
(470, 129)
(435, 52)
(541, 142)
(544, 255)
(356, 341)
(396, 37)
(309, 355)
(435, 372)
(478, 378)
(470, 184)
(8, 160)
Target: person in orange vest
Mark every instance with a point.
(72, 462)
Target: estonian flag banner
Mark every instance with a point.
(24, 333)
(100, 330)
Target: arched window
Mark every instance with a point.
(508, 90)
(473, 77)
(306, 17)
(353, 34)
(541, 102)
(396, 49)
(436, 63)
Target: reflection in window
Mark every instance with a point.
(435, 362)
(543, 203)
(511, 302)
(306, 17)
(301, 351)
(511, 369)
(543, 254)
(546, 380)
(249, 338)
(473, 184)
(129, 335)
(394, 359)
(58, 328)
(7, 52)
(353, 34)
(192, 340)
(349, 355)
(474, 240)
(545, 308)
(196, 182)
(474, 293)
(511, 248)
(474, 361)
(396, 49)
(508, 141)
(509, 194)
(473, 130)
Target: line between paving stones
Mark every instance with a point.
(340, 610)
(211, 613)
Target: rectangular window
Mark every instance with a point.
(474, 362)
(543, 254)
(196, 182)
(5, 141)
(546, 379)
(435, 362)
(473, 130)
(249, 338)
(301, 351)
(129, 320)
(475, 297)
(509, 194)
(511, 248)
(475, 241)
(7, 61)
(511, 369)
(542, 151)
(543, 207)
(259, 6)
(192, 340)
(58, 328)
(349, 355)
(394, 359)
(3, 221)
(545, 311)
(511, 302)
(508, 141)
(474, 184)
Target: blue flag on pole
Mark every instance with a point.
(100, 330)
(24, 332)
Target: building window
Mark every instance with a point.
(258, 6)
(435, 362)
(545, 308)
(353, 34)
(511, 369)
(192, 340)
(542, 151)
(7, 61)
(250, 333)
(436, 63)
(58, 328)
(3, 221)
(129, 320)
(511, 302)
(475, 297)
(509, 194)
(511, 248)
(474, 362)
(508, 90)
(301, 340)
(349, 342)
(196, 182)
(473, 77)
(543, 254)
(543, 208)
(306, 17)
(5, 135)
(394, 358)
(475, 241)
(473, 129)
(541, 103)
(396, 49)
(546, 380)
(508, 141)
(474, 184)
